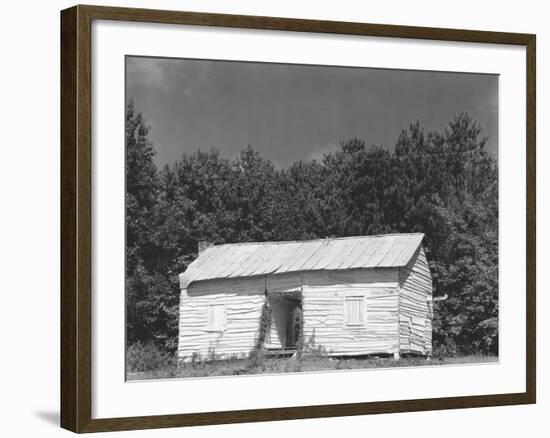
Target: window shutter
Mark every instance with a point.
(354, 310)
(216, 317)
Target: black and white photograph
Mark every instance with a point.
(275, 219)
(287, 218)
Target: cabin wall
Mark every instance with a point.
(324, 315)
(243, 300)
(323, 295)
(415, 310)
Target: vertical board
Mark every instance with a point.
(415, 316)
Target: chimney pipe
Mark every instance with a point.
(203, 244)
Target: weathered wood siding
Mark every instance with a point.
(243, 300)
(415, 318)
(324, 316)
(323, 295)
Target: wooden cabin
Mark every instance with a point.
(360, 295)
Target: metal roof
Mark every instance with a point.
(262, 258)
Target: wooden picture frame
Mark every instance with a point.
(76, 217)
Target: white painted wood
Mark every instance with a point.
(390, 297)
(324, 318)
(415, 315)
(242, 299)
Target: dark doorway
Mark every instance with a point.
(286, 313)
(294, 322)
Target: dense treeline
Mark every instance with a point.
(443, 184)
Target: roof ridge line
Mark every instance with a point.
(325, 239)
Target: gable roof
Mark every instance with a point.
(262, 258)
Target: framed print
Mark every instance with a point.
(323, 218)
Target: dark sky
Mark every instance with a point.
(288, 112)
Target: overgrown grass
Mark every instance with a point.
(148, 359)
(157, 366)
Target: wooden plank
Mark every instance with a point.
(416, 289)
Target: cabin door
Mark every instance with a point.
(293, 323)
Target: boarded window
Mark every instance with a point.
(216, 317)
(354, 310)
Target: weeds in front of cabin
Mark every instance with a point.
(235, 365)
(146, 361)
(312, 350)
(257, 356)
(141, 357)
